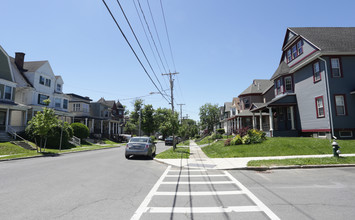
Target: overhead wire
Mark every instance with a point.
(140, 62)
(140, 46)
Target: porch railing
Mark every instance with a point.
(76, 141)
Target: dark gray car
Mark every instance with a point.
(140, 146)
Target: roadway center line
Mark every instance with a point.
(141, 209)
(202, 193)
(262, 206)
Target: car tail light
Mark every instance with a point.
(147, 146)
(127, 146)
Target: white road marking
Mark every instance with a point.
(194, 170)
(198, 175)
(206, 193)
(263, 207)
(141, 209)
(203, 209)
(199, 183)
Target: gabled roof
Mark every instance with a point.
(328, 39)
(33, 66)
(227, 106)
(19, 78)
(283, 69)
(257, 87)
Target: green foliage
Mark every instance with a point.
(148, 124)
(246, 139)
(216, 136)
(197, 136)
(227, 142)
(221, 131)
(180, 152)
(209, 116)
(256, 136)
(130, 128)
(153, 138)
(54, 136)
(80, 130)
(236, 140)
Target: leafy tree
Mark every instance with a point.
(209, 116)
(138, 104)
(40, 125)
(148, 124)
(130, 128)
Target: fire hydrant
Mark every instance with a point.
(336, 147)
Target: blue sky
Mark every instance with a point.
(219, 47)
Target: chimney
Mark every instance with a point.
(19, 60)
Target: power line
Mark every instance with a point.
(140, 62)
(156, 31)
(140, 46)
(167, 35)
(151, 35)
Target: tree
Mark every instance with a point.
(148, 124)
(138, 104)
(130, 128)
(209, 116)
(41, 124)
(165, 121)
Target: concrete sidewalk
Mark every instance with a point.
(198, 159)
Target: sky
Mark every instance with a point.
(217, 46)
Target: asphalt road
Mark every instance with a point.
(88, 185)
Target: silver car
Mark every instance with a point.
(140, 146)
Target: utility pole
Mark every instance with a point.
(181, 112)
(172, 100)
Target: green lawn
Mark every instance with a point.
(184, 143)
(302, 161)
(278, 146)
(13, 151)
(180, 152)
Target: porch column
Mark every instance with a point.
(109, 128)
(92, 125)
(86, 122)
(271, 122)
(292, 118)
(241, 122)
(7, 118)
(261, 121)
(238, 123)
(102, 126)
(25, 122)
(254, 125)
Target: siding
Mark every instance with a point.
(306, 92)
(5, 72)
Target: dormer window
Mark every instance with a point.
(8, 93)
(59, 87)
(295, 51)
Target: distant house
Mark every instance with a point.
(314, 85)
(79, 106)
(13, 115)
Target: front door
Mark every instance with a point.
(2, 121)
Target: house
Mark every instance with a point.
(79, 106)
(36, 83)
(259, 92)
(13, 115)
(314, 84)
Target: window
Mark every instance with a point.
(320, 107)
(76, 107)
(59, 87)
(246, 103)
(289, 56)
(65, 103)
(316, 72)
(340, 104)
(41, 80)
(57, 102)
(294, 52)
(41, 98)
(288, 84)
(278, 87)
(8, 92)
(335, 66)
(48, 82)
(345, 133)
(300, 47)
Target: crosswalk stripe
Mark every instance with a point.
(202, 193)
(194, 170)
(197, 175)
(198, 182)
(203, 209)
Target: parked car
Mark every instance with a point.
(160, 137)
(169, 140)
(140, 146)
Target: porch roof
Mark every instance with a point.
(13, 106)
(283, 100)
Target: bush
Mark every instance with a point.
(53, 140)
(256, 136)
(216, 136)
(246, 139)
(220, 131)
(237, 140)
(153, 138)
(242, 131)
(80, 130)
(227, 142)
(197, 136)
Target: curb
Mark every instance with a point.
(55, 155)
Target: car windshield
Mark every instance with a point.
(169, 138)
(138, 139)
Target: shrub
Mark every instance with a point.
(216, 136)
(197, 136)
(153, 138)
(227, 142)
(256, 136)
(221, 131)
(237, 140)
(246, 139)
(242, 131)
(80, 130)
(53, 140)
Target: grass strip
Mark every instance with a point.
(302, 161)
(180, 152)
(278, 146)
(184, 143)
